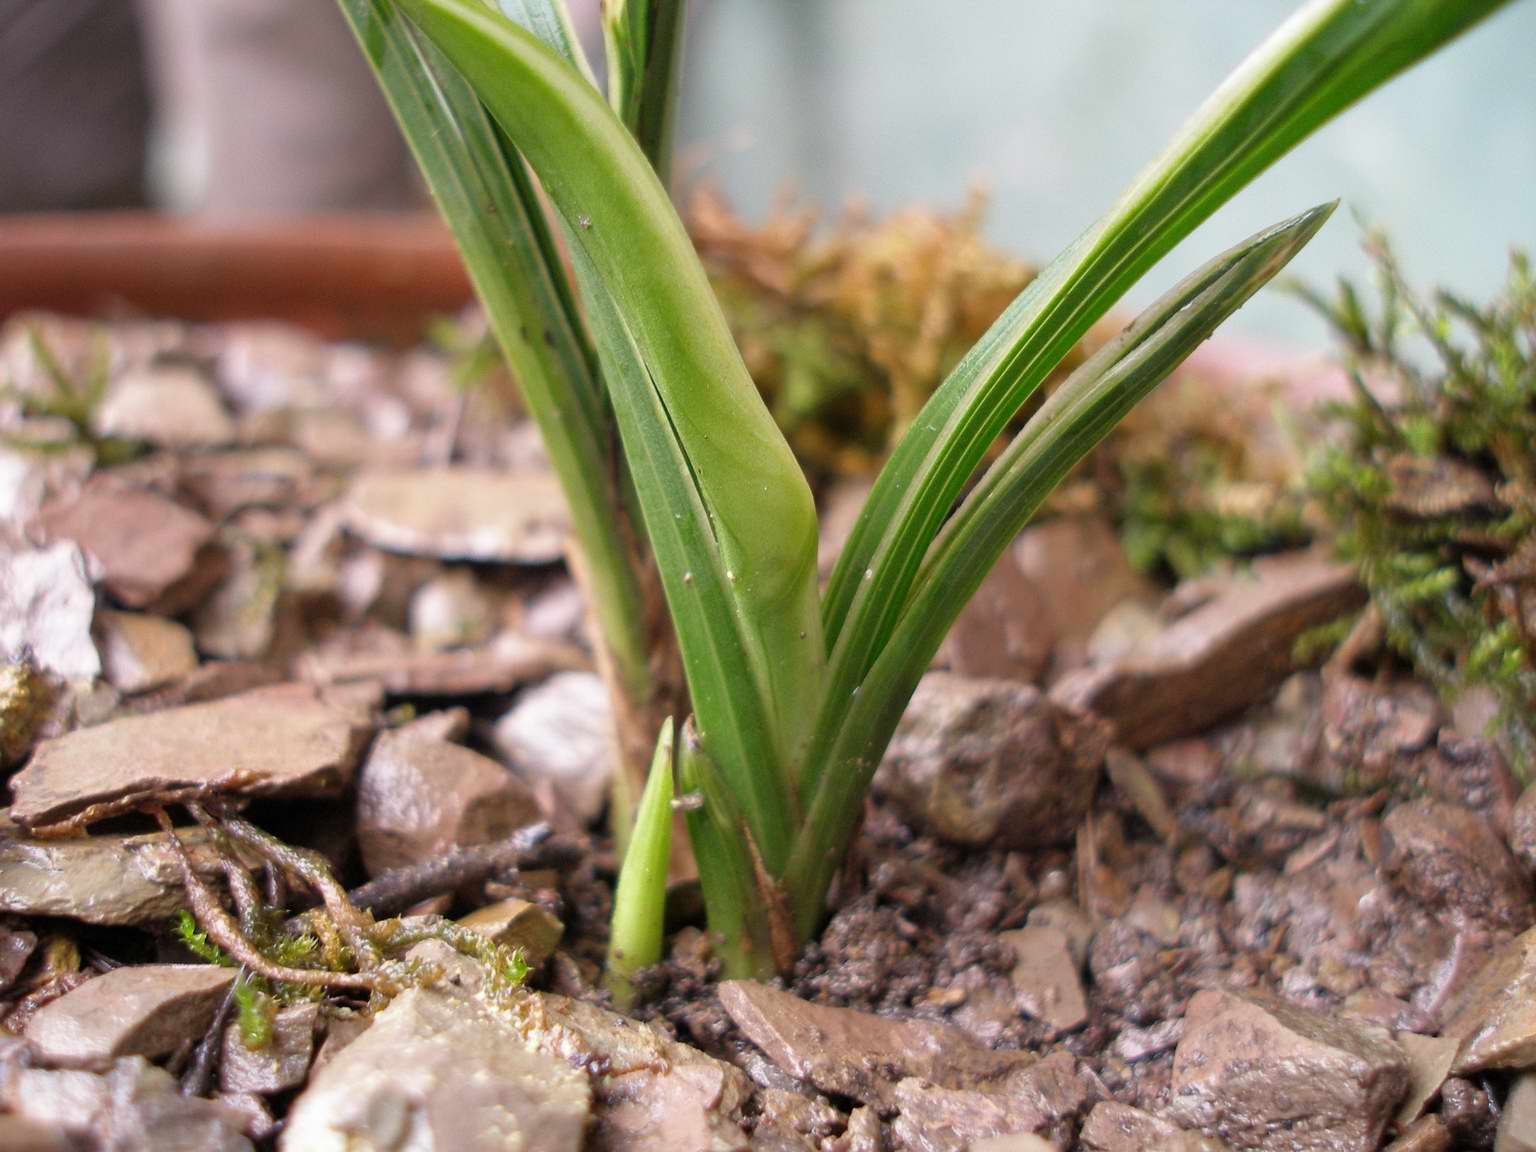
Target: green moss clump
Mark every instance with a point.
(1428, 483)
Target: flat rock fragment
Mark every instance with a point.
(1043, 1100)
(282, 741)
(440, 1071)
(507, 663)
(1080, 573)
(136, 1010)
(280, 1064)
(115, 880)
(1429, 1063)
(1260, 1073)
(1045, 977)
(1116, 1127)
(650, 1093)
(518, 924)
(132, 1107)
(992, 762)
(168, 405)
(1231, 652)
(417, 797)
(1517, 1126)
(1453, 862)
(144, 542)
(560, 734)
(461, 514)
(140, 653)
(1005, 631)
(848, 1053)
(1493, 1018)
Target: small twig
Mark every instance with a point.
(396, 890)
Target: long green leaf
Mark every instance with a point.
(550, 21)
(758, 503)
(489, 202)
(1324, 58)
(1081, 412)
(710, 637)
(644, 42)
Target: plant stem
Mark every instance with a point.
(732, 901)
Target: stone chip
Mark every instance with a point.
(140, 653)
(992, 762)
(848, 1053)
(1045, 977)
(440, 1071)
(144, 542)
(461, 514)
(417, 797)
(113, 880)
(136, 1010)
(1260, 1073)
(1044, 1099)
(1231, 652)
(282, 741)
(1451, 861)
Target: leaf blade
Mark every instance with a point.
(1328, 55)
(758, 502)
(1090, 403)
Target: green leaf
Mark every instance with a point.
(733, 902)
(1081, 412)
(710, 635)
(489, 201)
(550, 21)
(640, 900)
(1324, 58)
(758, 505)
(644, 40)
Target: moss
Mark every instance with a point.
(848, 328)
(255, 1010)
(71, 397)
(25, 697)
(1428, 480)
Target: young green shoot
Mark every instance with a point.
(640, 902)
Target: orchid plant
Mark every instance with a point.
(694, 528)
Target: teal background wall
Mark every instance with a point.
(1055, 104)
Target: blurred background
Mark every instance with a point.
(246, 109)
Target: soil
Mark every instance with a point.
(1294, 924)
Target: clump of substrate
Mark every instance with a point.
(1428, 485)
